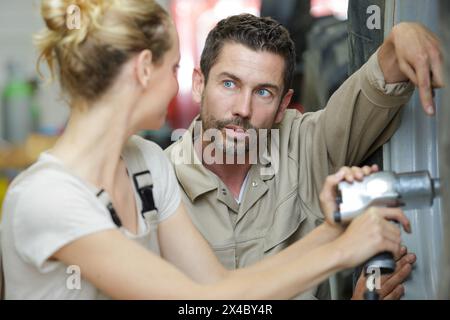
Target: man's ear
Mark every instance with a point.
(144, 67)
(198, 85)
(283, 106)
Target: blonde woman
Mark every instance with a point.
(76, 206)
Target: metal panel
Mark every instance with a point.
(444, 9)
(415, 147)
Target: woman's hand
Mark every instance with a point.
(328, 195)
(370, 234)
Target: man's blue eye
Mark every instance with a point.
(263, 92)
(228, 84)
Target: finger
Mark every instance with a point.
(328, 194)
(397, 215)
(393, 246)
(436, 61)
(329, 187)
(358, 173)
(384, 278)
(353, 173)
(403, 252)
(387, 287)
(437, 78)
(360, 288)
(343, 171)
(425, 89)
(409, 72)
(401, 274)
(396, 279)
(367, 170)
(349, 175)
(392, 233)
(434, 39)
(396, 294)
(406, 259)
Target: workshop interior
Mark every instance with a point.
(332, 40)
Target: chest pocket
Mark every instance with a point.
(288, 217)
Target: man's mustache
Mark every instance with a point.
(239, 122)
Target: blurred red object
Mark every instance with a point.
(297, 106)
(322, 8)
(194, 19)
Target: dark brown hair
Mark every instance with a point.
(259, 34)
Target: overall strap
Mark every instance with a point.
(142, 178)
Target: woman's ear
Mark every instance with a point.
(198, 85)
(144, 67)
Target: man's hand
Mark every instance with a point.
(412, 52)
(329, 191)
(391, 285)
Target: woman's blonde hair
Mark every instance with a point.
(88, 58)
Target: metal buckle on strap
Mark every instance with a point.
(144, 187)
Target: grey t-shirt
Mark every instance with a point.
(47, 207)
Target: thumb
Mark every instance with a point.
(329, 193)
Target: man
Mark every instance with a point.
(248, 210)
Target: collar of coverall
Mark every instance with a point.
(195, 179)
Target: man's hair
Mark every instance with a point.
(259, 34)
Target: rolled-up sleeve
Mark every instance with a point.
(361, 116)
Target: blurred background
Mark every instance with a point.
(32, 115)
(332, 41)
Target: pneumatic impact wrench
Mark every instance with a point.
(416, 190)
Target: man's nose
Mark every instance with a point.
(242, 108)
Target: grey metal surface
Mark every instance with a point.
(415, 147)
(444, 128)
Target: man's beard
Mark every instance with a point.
(227, 144)
(255, 145)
